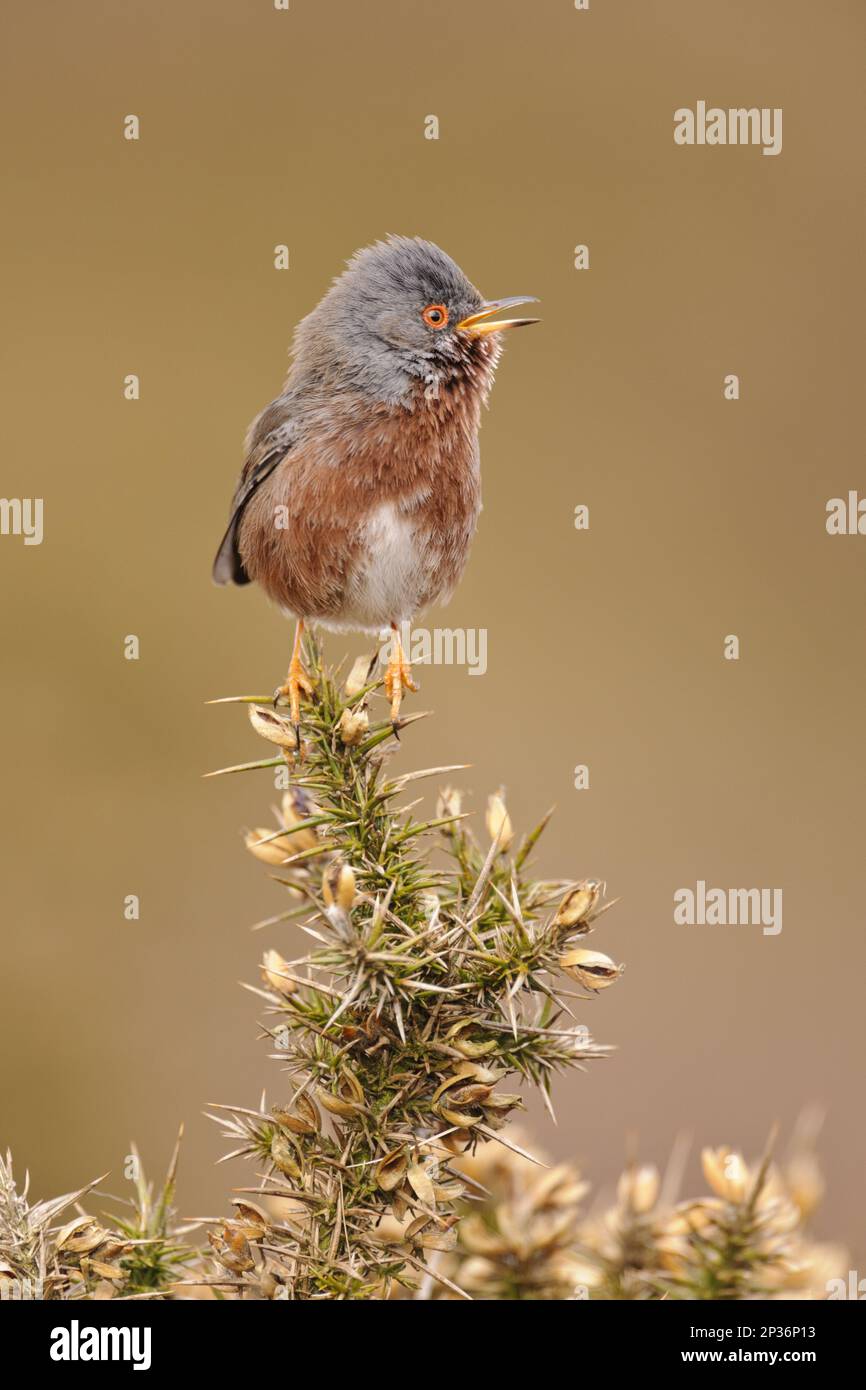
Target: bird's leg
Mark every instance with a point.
(398, 676)
(297, 682)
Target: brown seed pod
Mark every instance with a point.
(348, 1099)
(304, 1119)
(590, 968)
(270, 847)
(577, 905)
(358, 678)
(498, 821)
(274, 727)
(391, 1170)
(285, 1155)
(338, 885)
(253, 1220)
(274, 973)
(421, 1183)
(354, 725)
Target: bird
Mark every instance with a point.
(360, 491)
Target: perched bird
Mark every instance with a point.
(361, 488)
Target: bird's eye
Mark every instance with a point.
(435, 316)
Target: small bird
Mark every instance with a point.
(361, 488)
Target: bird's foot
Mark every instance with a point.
(297, 684)
(398, 677)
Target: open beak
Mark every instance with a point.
(476, 325)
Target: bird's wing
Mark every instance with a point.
(261, 461)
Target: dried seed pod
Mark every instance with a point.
(438, 1239)
(112, 1249)
(462, 1118)
(89, 1238)
(473, 1094)
(64, 1236)
(304, 1119)
(271, 848)
(449, 803)
(804, 1182)
(451, 1191)
(576, 906)
(474, 1046)
(358, 677)
(274, 973)
(414, 1229)
(488, 1076)
(457, 1141)
(231, 1249)
(498, 821)
(296, 807)
(391, 1171)
(399, 1205)
(421, 1183)
(494, 1119)
(590, 968)
(354, 725)
(338, 885)
(104, 1290)
(504, 1101)
(349, 1097)
(274, 727)
(638, 1189)
(285, 1155)
(453, 1079)
(253, 1220)
(726, 1173)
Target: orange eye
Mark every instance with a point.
(435, 316)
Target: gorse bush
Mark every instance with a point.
(536, 1234)
(417, 975)
(435, 969)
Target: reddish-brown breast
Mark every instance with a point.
(364, 479)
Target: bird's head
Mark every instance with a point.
(401, 312)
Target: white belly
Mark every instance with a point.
(391, 576)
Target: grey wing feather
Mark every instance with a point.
(263, 459)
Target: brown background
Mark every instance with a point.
(605, 648)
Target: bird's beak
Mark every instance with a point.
(477, 325)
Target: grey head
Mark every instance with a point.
(401, 312)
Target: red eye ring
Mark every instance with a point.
(435, 315)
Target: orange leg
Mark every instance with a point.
(398, 676)
(297, 681)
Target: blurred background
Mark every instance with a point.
(605, 647)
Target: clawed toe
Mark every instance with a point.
(296, 685)
(398, 678)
